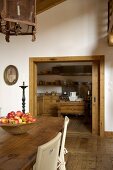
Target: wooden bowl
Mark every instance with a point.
(17, 129)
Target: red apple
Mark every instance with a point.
(19, 113)
(24, 118)
(4, 120)
(20, 120)
(16, 121)
(11, 120)
(11, 114)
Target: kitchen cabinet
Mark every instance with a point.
(71, 108)
(48, 105)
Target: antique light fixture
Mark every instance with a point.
(17, 17)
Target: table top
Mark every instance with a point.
(18, 152)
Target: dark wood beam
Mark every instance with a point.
(110, 16)
(42, 5)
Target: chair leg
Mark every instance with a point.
(61, 163)
(62, 167)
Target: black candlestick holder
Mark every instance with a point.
(23, 96)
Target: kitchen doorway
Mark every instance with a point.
(97, 86)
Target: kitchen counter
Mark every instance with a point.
(71, 107)
(18, 152)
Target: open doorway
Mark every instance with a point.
(97, 82)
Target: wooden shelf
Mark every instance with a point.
(67, 74)
(47, 74)
(48, 85)
(67, 85)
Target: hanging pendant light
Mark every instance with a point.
(17, 17)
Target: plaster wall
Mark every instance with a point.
(72, 28)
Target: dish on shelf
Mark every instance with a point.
(73, 98)
(79, 99)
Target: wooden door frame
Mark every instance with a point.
(33, 80)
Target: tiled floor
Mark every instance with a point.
(87, 152)
(78, 125)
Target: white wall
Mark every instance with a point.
(71, 28)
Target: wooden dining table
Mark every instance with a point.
(18, 152)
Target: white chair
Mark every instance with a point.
(63, 150)
(47, 154)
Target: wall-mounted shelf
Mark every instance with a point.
(49, 85)
(65, 78)
(67, 70)
(67, 74)
(47, 74)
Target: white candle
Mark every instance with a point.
(23, 77)
(18, 9)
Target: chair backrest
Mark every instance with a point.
(66, 121)
(47, 154)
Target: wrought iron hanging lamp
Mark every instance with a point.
(18, 17)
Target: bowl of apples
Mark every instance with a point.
(17, 122)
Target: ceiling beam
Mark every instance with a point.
(42, 5)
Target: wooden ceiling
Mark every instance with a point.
(42, 5)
